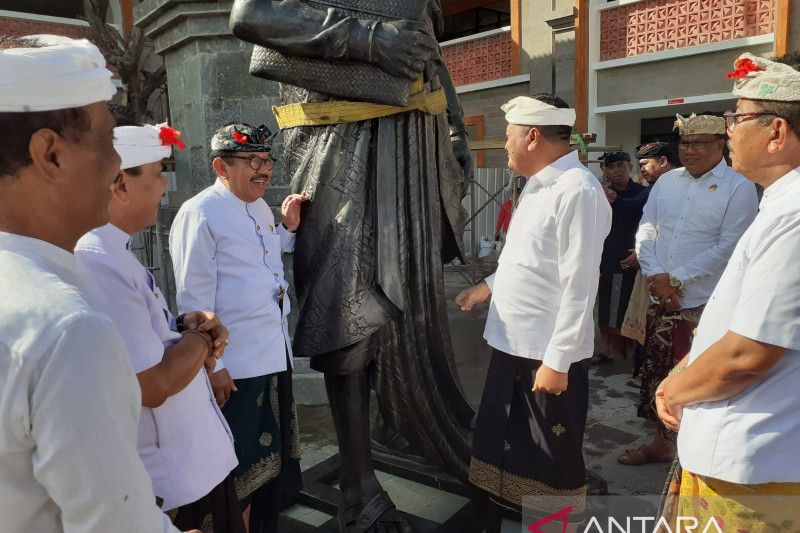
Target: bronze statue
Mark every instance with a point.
(385, 188)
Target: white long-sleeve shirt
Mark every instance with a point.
(185, 443)
(753, 437)
(546, 282)
(226, 255)
(690, 227)
(69, 405)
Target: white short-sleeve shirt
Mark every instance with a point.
(184, 443)
(69, 404)
(754, 437)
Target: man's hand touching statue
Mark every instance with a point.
(290, 210)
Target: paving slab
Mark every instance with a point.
(612, 427)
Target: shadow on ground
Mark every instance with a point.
(612, 427)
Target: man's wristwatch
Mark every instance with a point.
(674, 282)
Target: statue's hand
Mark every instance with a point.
(401, 48)
(462, 153)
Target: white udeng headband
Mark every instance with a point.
(527, 111)
(61, 74)
(138, 145)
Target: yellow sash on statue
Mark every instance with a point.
(326, 113)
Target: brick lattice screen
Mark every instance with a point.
(484, 59)
(19, 27)
(657, 25)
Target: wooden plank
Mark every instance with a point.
(495, 144)
(782, 19)
(516, 37)
(581, 64)
(487, 145)
(479, 123)
(459, 6)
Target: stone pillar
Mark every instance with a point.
(209, 85)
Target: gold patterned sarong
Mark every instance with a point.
(735, 508)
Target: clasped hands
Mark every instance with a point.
(667, 296)
(669, 412)
(208, 325)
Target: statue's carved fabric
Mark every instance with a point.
(338, 278)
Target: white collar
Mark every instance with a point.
(61, 262)
(113, 235)
(226, 193)
(549, 174)
(783, 184)
(720, 170)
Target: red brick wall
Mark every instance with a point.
(19, 27)
(484, 59)
(657, 25)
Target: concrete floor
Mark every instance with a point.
(612, 427)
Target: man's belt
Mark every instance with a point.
(326, 113)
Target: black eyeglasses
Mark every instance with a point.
(697, 145)
(255, 161)
(732, 119)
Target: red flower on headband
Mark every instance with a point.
(743, 68)
(170, 137)
(240, 138)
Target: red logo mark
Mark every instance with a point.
(563, 515)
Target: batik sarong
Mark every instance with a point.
(263, 420)
(528, 447)
(762, 508)
(668, 340)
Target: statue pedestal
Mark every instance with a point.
(209, 85)
(478, 515)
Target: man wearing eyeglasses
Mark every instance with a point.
(691, 222)
(734, 398)
(226, 252)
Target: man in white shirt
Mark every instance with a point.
(184, 440)
(734, 397)
(226, 251)
(69, 401)
(529, 433)
(691, 222)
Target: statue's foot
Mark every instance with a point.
(379, 515)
